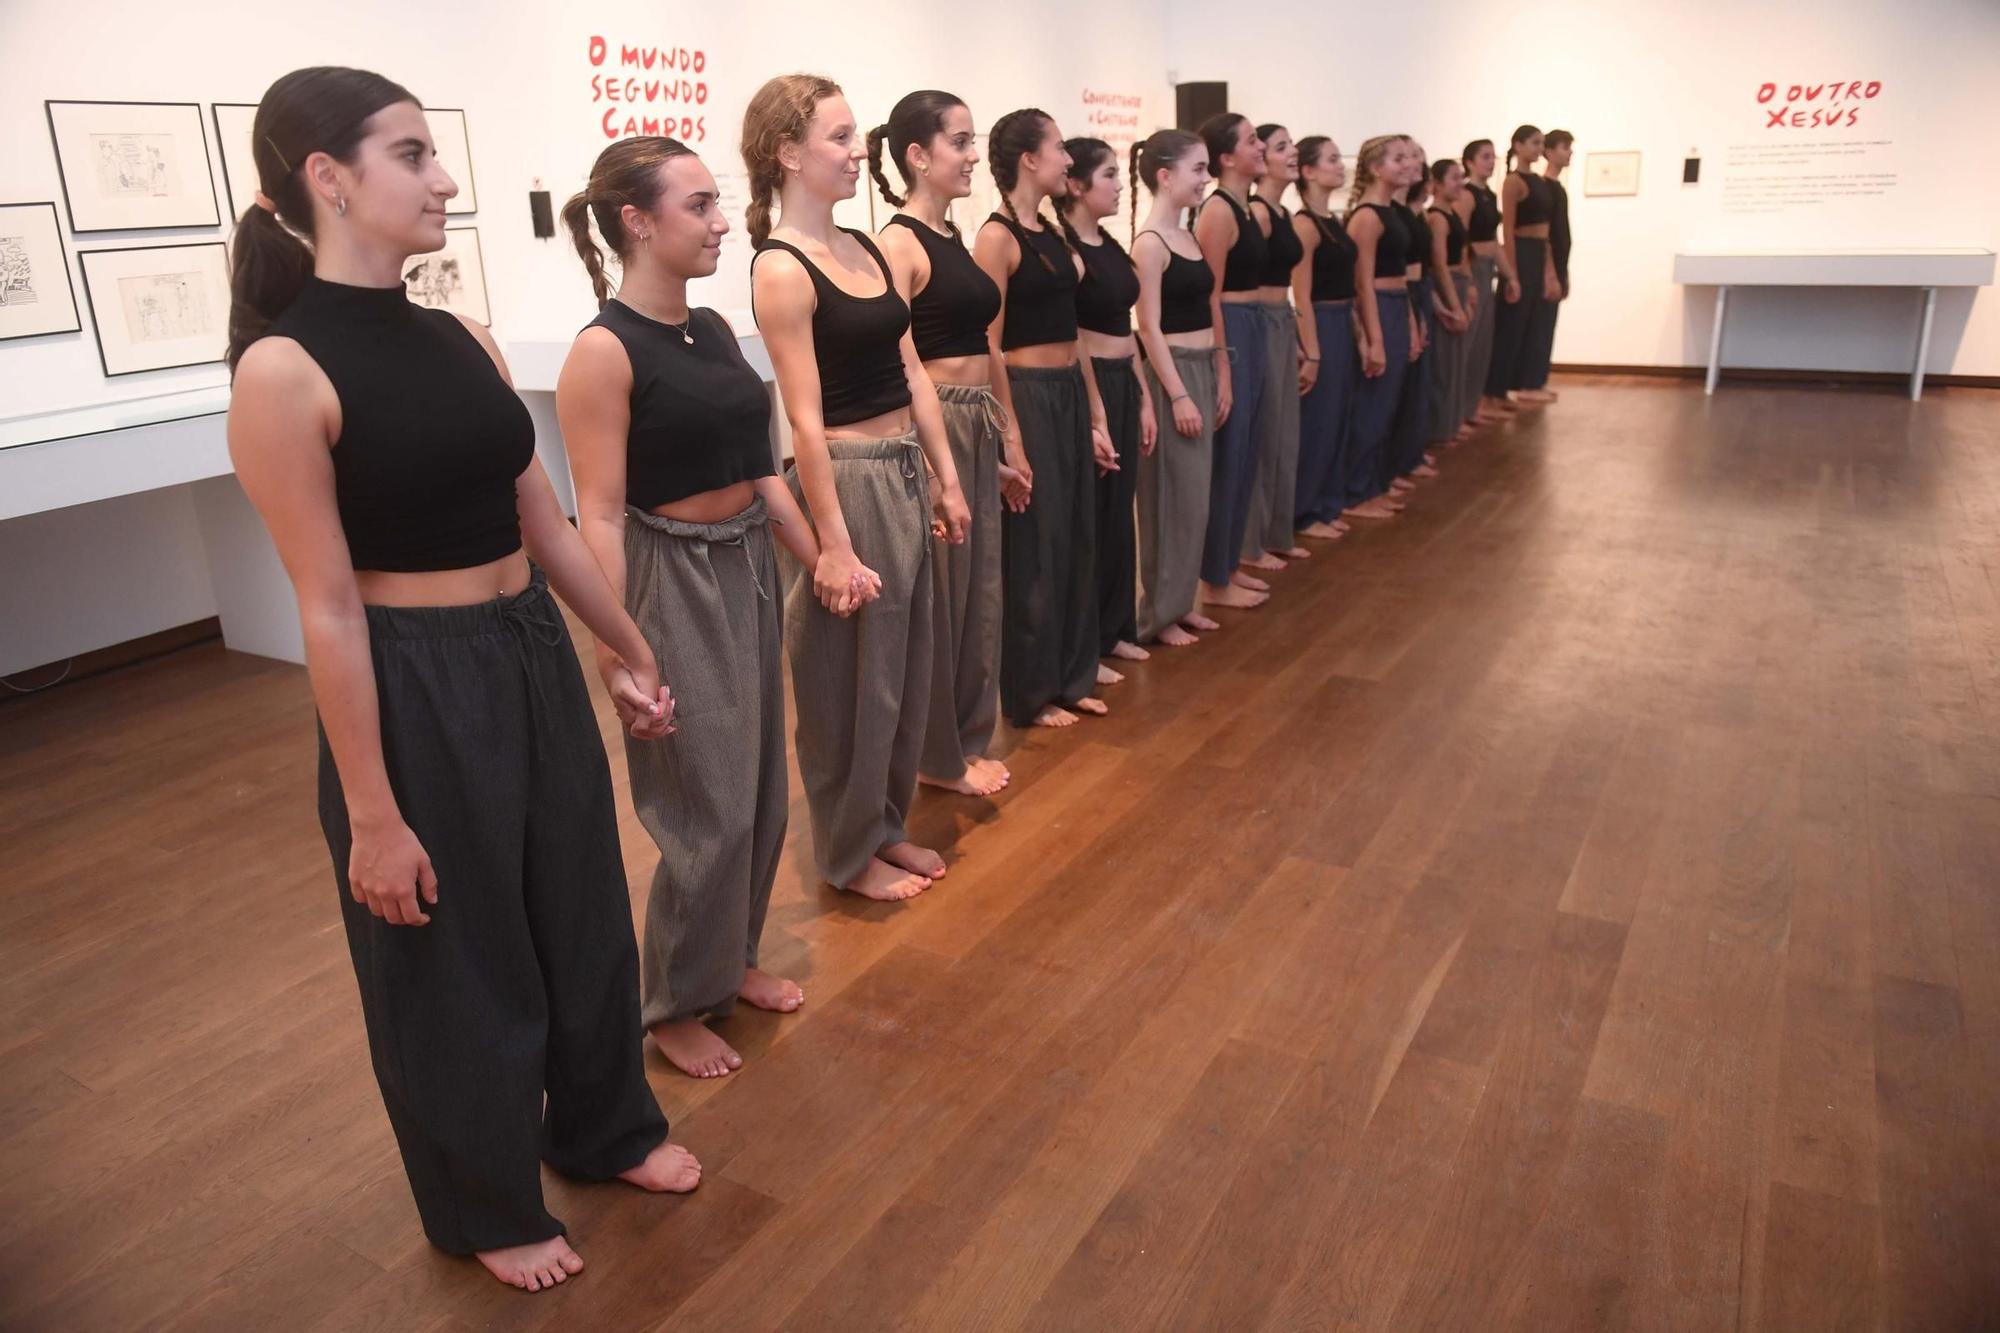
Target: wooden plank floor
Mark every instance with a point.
(1574, 905)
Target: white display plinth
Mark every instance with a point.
(1928, 269)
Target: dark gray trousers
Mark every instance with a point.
(965, 619)
(1117, 540)
(1048, 632)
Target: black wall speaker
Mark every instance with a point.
(1196, 102)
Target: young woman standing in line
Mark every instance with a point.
(865, 426)
(1479, 208)
(1451, 298)
(1323, 294)
(463, 787)
(1271, 538)
(929, 137)
(1526, 206)
(1557, 146)
(1382, 246)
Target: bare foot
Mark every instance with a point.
(1129, 652)
(975, 782)
(1200, 623)
(533, 1267)
(1344, 526)
(1265, 560)
(1175, 637)
(1426, 472)
(1430, 457)
(1240, 598)
(1053, 716)
(1463, 433)
(668, 1169)
(886, 883)
(1095, 707)
(1296, 553)
(1249, 581)
(1323, 532)
(768, 992)
(1376, 508)
(1535, 396)
(1106, 676)
(1500, 407)
(917, 860)
(693, 1048)
(993, 768)
(1401, 486)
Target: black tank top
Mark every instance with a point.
(701, 418)
(1393, 249)
(1041, 294)
(1534, 208)
(1110, 285)
(1282, 249)
(1185, 286)
(856, 342)
(1333, 261)
(1454, 236)
(431, 438)
(1485, 223)
(1559, 229)
(1243, 268)
(949, 316)
(1417, 235)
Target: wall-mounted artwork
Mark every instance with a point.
(158, 306)
(239, 166)
(453, 278)
(454, 150)
(36, 294)
(1611, 173)
(131, 165)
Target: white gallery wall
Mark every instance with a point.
(1667, 80)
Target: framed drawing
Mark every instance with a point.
(36, 294)
(130, 165)
(1611, 173)
(239, 166)
(453, 278)
(454, 152)
(158, 306)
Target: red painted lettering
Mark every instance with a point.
(597, 50)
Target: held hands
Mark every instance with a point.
(1149, 426)
(842, 583)
(644, 705)
(387, 868)
(1512, 291)
(1017, 479)
(1187, 417)
(1101, 447)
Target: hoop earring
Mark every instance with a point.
(340, 204)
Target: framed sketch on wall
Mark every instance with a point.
(158, 306)
(239, 165)
(1611, 173)
(454, 150)
(130, 165)
(36, 294)
(453, 278)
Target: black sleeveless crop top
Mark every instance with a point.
(950, 315)
(1393, 249)
(1454, 236)
(701, 417)
(1110, 285)
(1485, 223)
(1243, 268)
(1535, 207)
(1282, 248)
(1185, 286)
(1416, 233)
(431, 438)
(1041, 294)
(1333, 261)
(856, 342)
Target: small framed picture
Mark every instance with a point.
(1611, 173)
(239, 164)
(453, 278)
(36, 294)
(158, 306)
(132, 165)
(454, 152)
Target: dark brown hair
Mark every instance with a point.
(1472, 151)
(1219, 133)
(1310, 148)
(917, 119)
(1557, 139)
(1086, 155)
(1012, 138)
(1521, 136)
(1154, 154)
(627, 172)
(324, 109)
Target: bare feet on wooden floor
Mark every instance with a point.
(668, 1169)
(979, 779)
(1426, 471)
(534, 1267)
(993, 768)
(1129, 652)
(917, 860)
(1325, 532)
(1264, 560)
(768, 992)
(1199, 623)
(1052, 716)
(1175, 637)
(692, 1047)
(1248, 581)
(1242, 599)
(886, 883)
(1296, 553)
(1376, 508)
(1402, 486)
(1093, 706)
(1106, 676)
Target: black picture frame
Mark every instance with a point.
(214, 219)
(75, 310)
(229, 181)
(97, 319)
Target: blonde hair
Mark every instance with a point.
(778, 114)
(1365, 162)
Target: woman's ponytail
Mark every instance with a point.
(875, 138)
